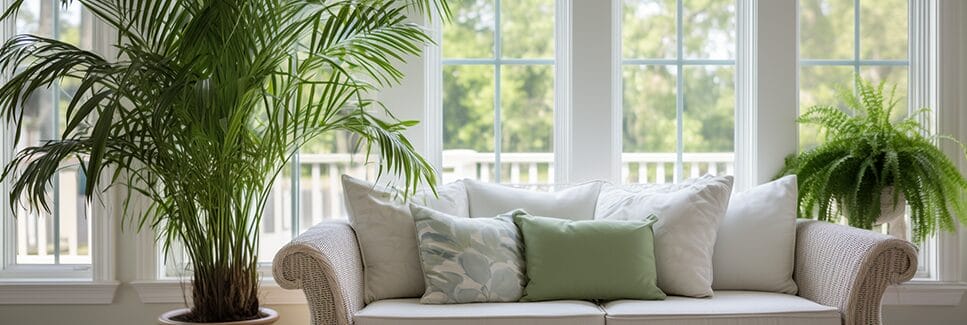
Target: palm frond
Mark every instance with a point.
(203, 107)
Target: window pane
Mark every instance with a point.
(648, 29)
(527, 123)
(708, 126)
(709, 28)
(35, 241)
(471, 32)
(826, 29)
(649, 123)
(468, 122)
(883, 29)
(65, 235)
(75, 230)
(527, 29)
(276, 227)
(893, 76)
(36, 17)
(818, 85)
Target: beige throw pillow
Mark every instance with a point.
(689, 215)
(387, 234)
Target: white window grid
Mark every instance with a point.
(927, 259)
(16, 259)
(497, 62)
(679, 63)
(857, 62)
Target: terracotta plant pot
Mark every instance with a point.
(271, 316)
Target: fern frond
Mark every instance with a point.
(865, 152)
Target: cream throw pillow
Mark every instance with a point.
(574, 203)
(689, 215)
(387, 234)
(755, 248)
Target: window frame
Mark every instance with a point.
(763, 37)
(433, 88)
(61, 283)
(679, 63)
(922, 77)
(763, 33)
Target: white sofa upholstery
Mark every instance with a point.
(725, 308)
(411, 312)
(841, 272)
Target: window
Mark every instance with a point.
(498, 91)
(321, 163)
(315, 174)
(842, 38)
(63, 237)
(678, 85)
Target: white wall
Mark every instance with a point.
(896, 315)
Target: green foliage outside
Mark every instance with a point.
(527, 94)
(649, 93)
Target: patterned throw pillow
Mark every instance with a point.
(469, 260)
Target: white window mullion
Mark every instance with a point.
(594, 128)
(562, 93)
(497, 107)
(932, 25)
(55, 126)
(774, 132)
(746, 107)
(617, 93)
(923, 54)
(856, 39)
(433, 94)
(679, 91)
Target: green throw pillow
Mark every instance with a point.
(469, 260)
(589, 260)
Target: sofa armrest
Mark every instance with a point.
(325, 263)
(850, 268)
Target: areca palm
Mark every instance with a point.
(202, 107)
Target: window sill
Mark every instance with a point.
(57, 292)
(925, 293)
(170, 291)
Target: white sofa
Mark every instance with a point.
(841, 274)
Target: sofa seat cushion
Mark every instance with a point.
(411, 312)
(725, 307)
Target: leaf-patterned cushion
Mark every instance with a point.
(469, 260)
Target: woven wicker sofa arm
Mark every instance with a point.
(325, 263)
(850, 268)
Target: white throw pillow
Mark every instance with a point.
(386, 234)
(688, 220)
(755, 249)
(574, 203)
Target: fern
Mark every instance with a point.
(865, 152)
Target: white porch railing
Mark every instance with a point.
(35, 232)
(321, 192)
(321, 197)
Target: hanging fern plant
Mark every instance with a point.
(865, 153)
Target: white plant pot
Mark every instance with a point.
(888, 212)
(271, 316)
